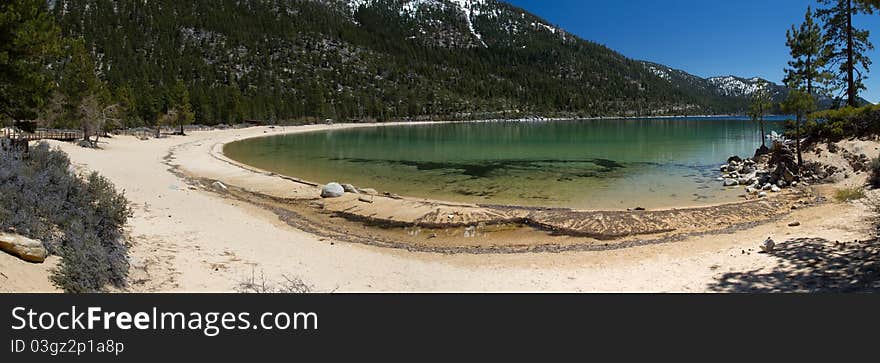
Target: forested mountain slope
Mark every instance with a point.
(363, 59)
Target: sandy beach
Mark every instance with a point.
(187, 236)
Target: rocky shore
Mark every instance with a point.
(772, 171)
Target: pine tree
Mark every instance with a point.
(82, 93)
(180, 108)
(847, 47)
(799, 103)
(805, 45)
(29, 43)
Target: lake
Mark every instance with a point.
(581, 164)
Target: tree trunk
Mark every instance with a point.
(798, 143)
(809, 70)
(763, 135)
(850, 66)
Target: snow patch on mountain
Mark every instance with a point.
(738, 87)
(469, 9)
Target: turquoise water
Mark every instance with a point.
(595, 164)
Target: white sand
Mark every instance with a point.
(193, 240)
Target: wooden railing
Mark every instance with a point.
(43, 134)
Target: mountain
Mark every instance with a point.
(367, 59)
(729, 92)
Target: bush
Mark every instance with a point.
(835, 125)
(80, 220)
(849, 194)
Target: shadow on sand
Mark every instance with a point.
(812, 265)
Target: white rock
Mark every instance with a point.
(332, 190)
(220, 186)
(768, 245)
(775, 189)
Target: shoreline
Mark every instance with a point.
(584, 230)
(190, 238)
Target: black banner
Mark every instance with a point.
(330, 327)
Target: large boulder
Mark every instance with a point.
(27, 249)
(332, 190)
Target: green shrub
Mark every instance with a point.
(80, 220)
(849, 194)
(834, 125)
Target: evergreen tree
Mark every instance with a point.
(805, 45)
(180, 108)
(847, 46)
(799, 103)
(759, 107)
(82, 94)
(29, 43)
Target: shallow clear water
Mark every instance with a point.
(596, 164)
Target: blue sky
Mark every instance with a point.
(704, 37)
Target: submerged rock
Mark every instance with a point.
(27, 249)
(332, 190)
(368, 191)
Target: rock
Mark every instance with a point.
(27, 249)
(794, 185)
(724, 168)
(775, 189)
(781, 184)
(365, 200)
(762, 195)
(768, 245)
(767, 187)
(751, 190)
(369, 191)
(332, 190)
(392, 196)
(794, 224)
(719, 179)
(763, 150)
(350, 189)
(763, 176)
(730, 182)
(734, 159)
(220, 186)
(788, 176)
